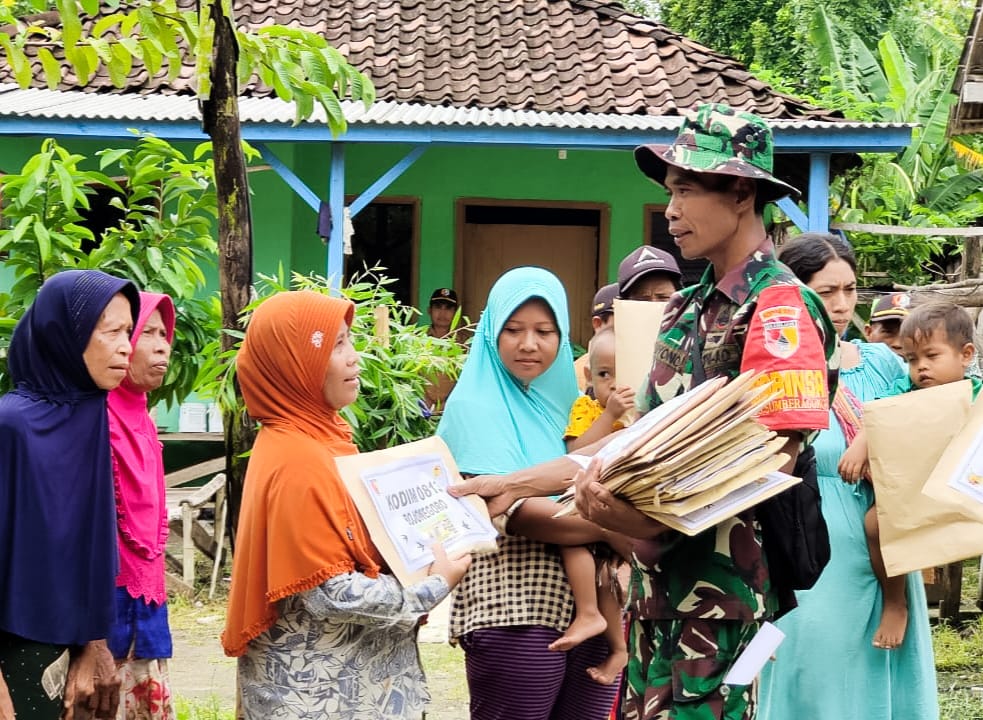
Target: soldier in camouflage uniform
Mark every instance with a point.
(695, 602)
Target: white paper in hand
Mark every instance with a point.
(750, 662)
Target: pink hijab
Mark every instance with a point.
(138, 469)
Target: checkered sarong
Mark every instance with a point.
(523, 583)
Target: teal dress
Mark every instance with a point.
(827, 669)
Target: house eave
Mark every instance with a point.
(63, 114)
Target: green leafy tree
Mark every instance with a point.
(645, 8)
(395, 368)
(923, 186)
(299, 65)
(166, 208)
(773, 35)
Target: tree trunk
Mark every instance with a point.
(972, 259)
(220, 119)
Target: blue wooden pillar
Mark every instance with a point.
(336, 201)
(816, 217)
(818, 192)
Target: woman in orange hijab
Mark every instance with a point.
(319, 626)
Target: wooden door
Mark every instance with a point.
(569, 251)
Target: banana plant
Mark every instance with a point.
(922, 186)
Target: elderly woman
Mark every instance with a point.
(509, 411)
(321, 629)
(141, 639)
(57, 512)
(837, 619)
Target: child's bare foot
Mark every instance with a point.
(607, 672)
(894, 621)
(584, 627)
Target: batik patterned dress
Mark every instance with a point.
(344, 650)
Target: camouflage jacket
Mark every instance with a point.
(722, 573)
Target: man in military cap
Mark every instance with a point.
(697, 601)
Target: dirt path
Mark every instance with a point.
(200, 671)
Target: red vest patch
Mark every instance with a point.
(784, 343)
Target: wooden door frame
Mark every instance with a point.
(648, 209)
(417, 204)
(603, 229)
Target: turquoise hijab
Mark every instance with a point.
(492, 423)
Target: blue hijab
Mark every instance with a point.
(492, 423)
(57, 507)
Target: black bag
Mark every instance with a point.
(794, 534)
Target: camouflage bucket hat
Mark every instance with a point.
(716, 138)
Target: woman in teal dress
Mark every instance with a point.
(827, 668)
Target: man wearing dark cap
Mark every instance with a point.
(601, 316)
(602, 309)
(648, 273)
(886, 315)
(443, 305)
(696, 602)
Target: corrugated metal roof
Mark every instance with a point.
(75, 105)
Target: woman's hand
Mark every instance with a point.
(493, 488)
(451, 569)
(93, 683)
(6, 704)
(597, 504)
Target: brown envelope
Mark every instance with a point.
(953, 465)
(907, 436)
(633, 350)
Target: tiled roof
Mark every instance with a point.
(568, 56)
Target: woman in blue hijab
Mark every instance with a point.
(509, 411)
(57, 506)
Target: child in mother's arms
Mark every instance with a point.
(937, 344)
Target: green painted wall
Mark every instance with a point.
(285, 227)
(444, 174)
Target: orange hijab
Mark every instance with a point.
(297, 524)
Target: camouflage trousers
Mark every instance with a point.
(676, 670)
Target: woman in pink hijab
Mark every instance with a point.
(140, 639)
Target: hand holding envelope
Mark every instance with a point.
(698, 459)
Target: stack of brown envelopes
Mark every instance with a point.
(700, 458)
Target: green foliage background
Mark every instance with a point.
(887, 61)
(167, 204)
(394, 374)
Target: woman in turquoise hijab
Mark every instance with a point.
(508, 412)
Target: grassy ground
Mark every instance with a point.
(203, 678)
(959, 665)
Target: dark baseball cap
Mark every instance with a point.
(641, 262)
(604, 300)
(895, 306)
(446, 295)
